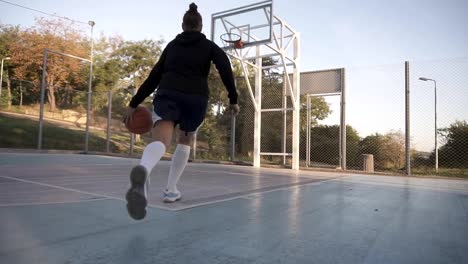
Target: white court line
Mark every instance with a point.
(258, 174)
(253, 195)
(48, 203)
(250, 196)
(82, 192)
(405, 185)
(246, 196)
(62, 188)
(342, 179)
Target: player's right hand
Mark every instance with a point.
(234, 109)
(128, 115)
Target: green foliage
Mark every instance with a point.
(212, 138)
(353, 139)
(325, 145)
(8, 34)
(388, 150)
(454, 153)
(137, 58)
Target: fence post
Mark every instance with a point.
(343, 121)
(109, 118)
(132, 136)
(233, 137)
(41, 111)
(233, 131)
(407, 120)
(308, 128)
(194, 148)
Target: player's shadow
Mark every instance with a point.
(135, 251)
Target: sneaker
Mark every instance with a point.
(170, 197)
(137, 194)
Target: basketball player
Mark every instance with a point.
(181, 99)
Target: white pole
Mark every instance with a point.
(1, 74)
(258, 112)
(297, 103)
(285, 121)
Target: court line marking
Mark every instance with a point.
(342, 179)
(78, 191)
(64, 188)
(61, 188)
(51, 203)
(178, 208)
(252, 195)
(405, 185)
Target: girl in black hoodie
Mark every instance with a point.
(180, 77)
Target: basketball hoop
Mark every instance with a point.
(232, 40)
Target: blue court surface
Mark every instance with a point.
(66, 208)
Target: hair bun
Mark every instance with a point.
(193, 7)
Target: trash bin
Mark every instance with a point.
(368, 162)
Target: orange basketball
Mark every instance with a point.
(239, 44)
(141, 122)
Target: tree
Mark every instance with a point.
(59, 35)
(454, 152)
(395, 149)
(8, 35)
(107, 74)
(137, 58)
(375, 145)
(325, 145)
(388, 149)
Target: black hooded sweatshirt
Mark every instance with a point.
(184, 66)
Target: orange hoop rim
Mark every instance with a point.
(232, 40)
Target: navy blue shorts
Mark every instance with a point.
(187, 110)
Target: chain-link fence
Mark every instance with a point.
(375, 118)
(439, 96)
(324, 131)
(375, 113)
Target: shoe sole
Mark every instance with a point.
(169, 200)
(136, 201)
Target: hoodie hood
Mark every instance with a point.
(185, 38)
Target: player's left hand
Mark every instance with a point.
(128, 115)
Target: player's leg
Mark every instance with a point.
(137, 195)
(193, 109)
(165, 116)
(162, 134)
(179, 162)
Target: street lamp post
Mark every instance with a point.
(435, 121)
(1, 74)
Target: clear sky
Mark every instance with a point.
(371, 38)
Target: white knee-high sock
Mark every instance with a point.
(152, 154)
(179, 161)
